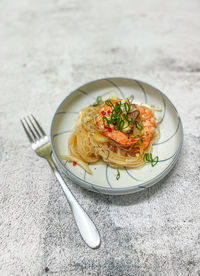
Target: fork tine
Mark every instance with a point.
(40, 128)
(27, 133)
(32, 132)
(38, 134)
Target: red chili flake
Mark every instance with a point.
(103, 112)
(118, 104)
(74, 163)
(109, 129)
(108, 111)
(106, 127)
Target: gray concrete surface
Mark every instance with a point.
(49, 48)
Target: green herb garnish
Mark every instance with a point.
(127, 107)
(109, 103)
(118, 115)
(138, 125)
(98, 101)
(105, 119)
(155, 161)
(121, 125)
(118, 175)
(149, 159)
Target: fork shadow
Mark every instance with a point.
(127, 199)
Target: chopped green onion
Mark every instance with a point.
(121, 125)
(109, 103)
(107, 121)
(118, 108)
(98, 101)
(118, 175)
(155, 161)
(138, 125)
(149, 159)
(128, 123)
(127, 107)
(113, 117)
(118, 115)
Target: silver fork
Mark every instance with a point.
(41, 145)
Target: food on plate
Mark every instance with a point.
(117, 131)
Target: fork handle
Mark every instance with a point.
(85, 225)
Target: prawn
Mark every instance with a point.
(148, 123)
(111, 133)
(121, 138)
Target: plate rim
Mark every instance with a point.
(110, 190)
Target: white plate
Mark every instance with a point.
(103, 178)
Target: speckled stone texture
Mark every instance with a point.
(48, 48)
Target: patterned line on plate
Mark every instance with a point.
(66, 112)
(62, 132)
(107, 176)
(164, 103)
(94, 188)
(85, 93)
(163, 160)
(85, 173)
(144, 92)
(131, 175)
(82, 91)
(120, 91)
(156, 144)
